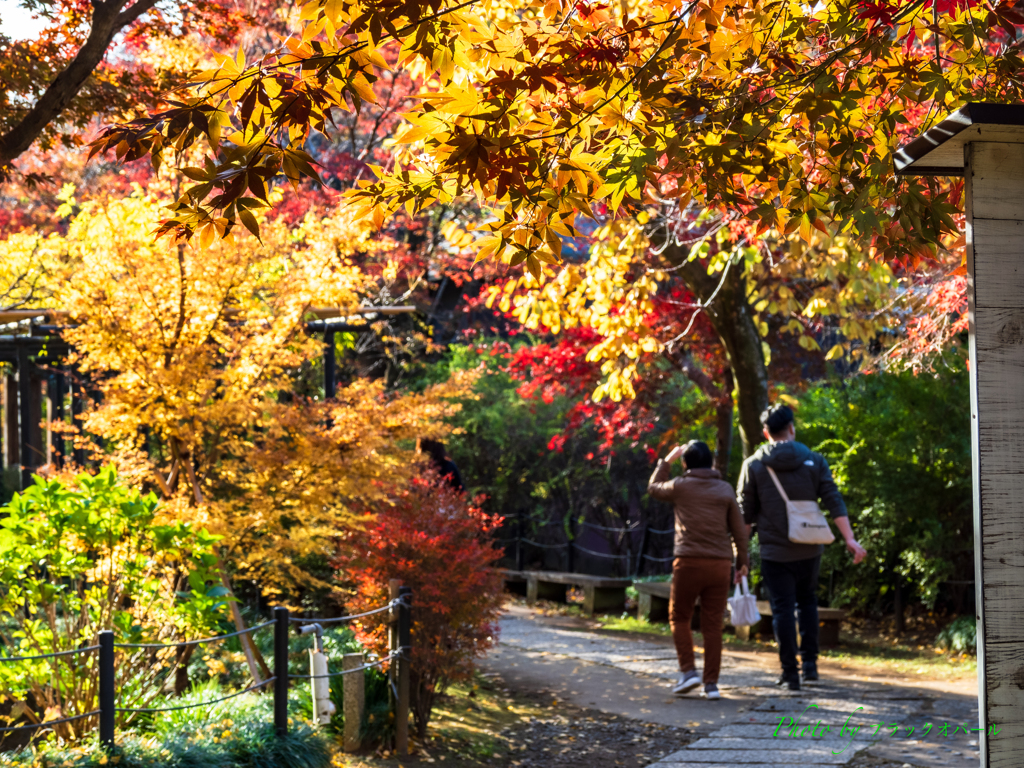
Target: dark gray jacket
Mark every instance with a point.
(805, 476)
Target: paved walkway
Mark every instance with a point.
(629, 676)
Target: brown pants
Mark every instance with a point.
(708, 579)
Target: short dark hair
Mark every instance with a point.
(776, 418)
(697, 455)
(434, 449)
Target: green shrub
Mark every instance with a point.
(900, 449)
(959, 636)
(78, 559)
(238, 733)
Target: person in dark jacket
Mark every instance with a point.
(706, 516)
(789, 569)
(444, 466)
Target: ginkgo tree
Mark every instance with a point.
(781, 114)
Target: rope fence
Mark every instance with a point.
(351, 617)
(50, 655)
(49, 723)
(193, 642)
(399, 607)
(605, 555)
(634, 560)
(250, 689)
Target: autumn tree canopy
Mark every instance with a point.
(780, 117)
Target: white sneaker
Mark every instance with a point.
(686, 682)
(711, 691)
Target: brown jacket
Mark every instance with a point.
(706, 513)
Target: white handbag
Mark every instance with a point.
(806, 523)
(743, 606)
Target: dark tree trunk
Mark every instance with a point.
(723, 423)
(107, 20)
(732, 317)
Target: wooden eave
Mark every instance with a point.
(939, 151)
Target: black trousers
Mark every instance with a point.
(793, 586)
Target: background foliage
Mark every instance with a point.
(899, 446)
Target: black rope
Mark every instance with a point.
(49, 723)
(659, 559)
(544, 546)
(201, 703)
(599, 554)
(370, 665)
(383, 608)
(194, 642)
(49, 655)
(609, 528)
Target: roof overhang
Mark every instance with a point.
(939, 151)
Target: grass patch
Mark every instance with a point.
(902, 659)
(628, 623)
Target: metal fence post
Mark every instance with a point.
(281, 672)
(108, 705)
(405, 654)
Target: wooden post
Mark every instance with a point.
(394, 585)
(329, 365)
(984, 143)
(642, 551)
(570, 540)
(77, 409)
(12, 434)
(519, 540)
(281, 672)
(25, 409)
(404, 673)
(57, 392)
(355, 700)
(107, 694)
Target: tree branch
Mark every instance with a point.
(107, 20)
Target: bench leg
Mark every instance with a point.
(603, 599)
(659, 608)
(643, 606)
(828, 633)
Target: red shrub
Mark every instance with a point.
(439, 544)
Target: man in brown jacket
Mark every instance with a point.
(706, 516)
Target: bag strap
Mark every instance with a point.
(775, 479)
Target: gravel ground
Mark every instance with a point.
(592, 739)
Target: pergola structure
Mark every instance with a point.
(984, 143)
(39, 391)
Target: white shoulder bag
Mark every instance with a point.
(806, 523)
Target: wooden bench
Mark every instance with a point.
(652, 605)
(599, 593)
(652, 600)
(829, 620)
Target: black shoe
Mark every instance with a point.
(792, 682)
(810, 674)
